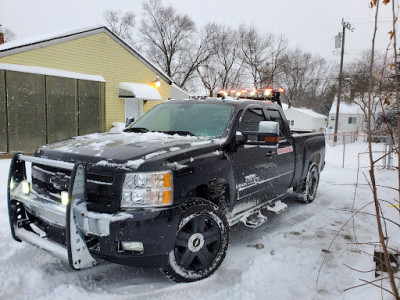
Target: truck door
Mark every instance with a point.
(253, 165)
(284, 156)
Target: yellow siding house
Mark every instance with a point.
(130, 79)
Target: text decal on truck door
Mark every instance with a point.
(285, 150)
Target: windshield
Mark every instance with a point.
(199, 119)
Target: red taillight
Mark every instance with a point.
(281, 90)
(232, 91)
(243, 91)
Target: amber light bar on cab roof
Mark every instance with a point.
(256, 94)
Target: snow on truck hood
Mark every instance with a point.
(127, 150)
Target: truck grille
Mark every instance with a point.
(50, 181)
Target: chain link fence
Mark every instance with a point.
(351, 150)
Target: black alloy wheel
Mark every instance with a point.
(312, 182)
(197, 243)
(308, 190)
(201, 242)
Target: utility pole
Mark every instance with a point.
(346, 25)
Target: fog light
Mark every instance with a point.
(26, 187)
(64, 198)
(132, 246)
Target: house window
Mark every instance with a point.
(332, 118)
(352, 120)
(292, 123)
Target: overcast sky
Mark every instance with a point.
(308, 24)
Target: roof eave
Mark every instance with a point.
(76, 35)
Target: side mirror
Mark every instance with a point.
(129, 121)
(269, 132)
(267, 135)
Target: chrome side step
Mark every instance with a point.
(277, 207)
(239, 217)
(255, 220)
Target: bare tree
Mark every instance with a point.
(256, 50)
(198, 52)
(240, 58)
(121, 24)
(395, 15)
(224, 68)
(382, 84)
(382, 237)
(295, 67)
(210, 75)
(306, 79)
(226, 44)
(172, 41)
(261, 54)
(278, 50)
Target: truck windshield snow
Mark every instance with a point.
(205, 120)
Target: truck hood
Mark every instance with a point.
(126, 149)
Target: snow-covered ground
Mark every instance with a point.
(296, 261)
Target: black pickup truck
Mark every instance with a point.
(164, 192)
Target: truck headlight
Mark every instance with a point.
(147, 189)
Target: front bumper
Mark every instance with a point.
(84, 238)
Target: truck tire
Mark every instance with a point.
(307, 190)
(201, 242)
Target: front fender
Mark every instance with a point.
(200, 170)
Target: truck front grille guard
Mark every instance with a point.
(76, 252)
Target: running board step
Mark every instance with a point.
(277, 207)
(254, 220)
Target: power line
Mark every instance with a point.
(362, 22)
(365, 18)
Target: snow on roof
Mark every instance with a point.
(50, 72)
(346, 108)
(64, 34)
(44, 37)
(138, 90)
(308, 112)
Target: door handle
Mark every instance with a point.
(270, 153)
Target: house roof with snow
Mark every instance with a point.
(308, 112)
(346, 108)
(39, 41)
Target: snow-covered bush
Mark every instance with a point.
(117, 127)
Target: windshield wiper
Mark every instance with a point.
(179, 132)
(136, 129)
